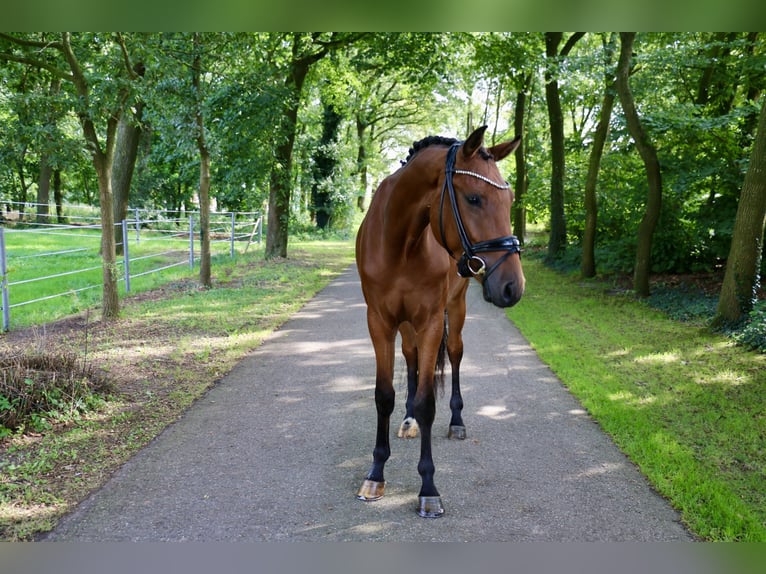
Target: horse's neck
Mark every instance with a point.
(408, 222)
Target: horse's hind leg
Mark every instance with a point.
(383, 339)
(456, 319)
(409, 427)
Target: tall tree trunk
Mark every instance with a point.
(648, 154)
(588, 262)
(125, 153)
(110, 309)
(58, 197)
(743, 267)
(204, 170)
(520, 189)
(102, 162)
(361, 165)
(305, 52)
(558, 236)
(46, 170)
(44, 188)
(21, 197)
(279, 184)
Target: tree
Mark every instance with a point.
(743, 266)
(522, 179)
(392, 77)
(649, 156)
(125, 154)
(325, 163)
(204, 164)
(305, 50)
(511, 62)
(46, 167)
(588, 262)
(110, 57)
(558, 237)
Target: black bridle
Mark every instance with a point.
(470, 264)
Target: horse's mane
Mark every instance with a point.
(438, 140)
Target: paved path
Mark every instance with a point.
(277, 450)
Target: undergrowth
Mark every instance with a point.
(39, 388)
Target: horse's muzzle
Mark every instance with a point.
(503, 292)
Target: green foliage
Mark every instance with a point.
(753, 333)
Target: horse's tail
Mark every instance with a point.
(440, 358)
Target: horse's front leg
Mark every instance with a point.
(456, 320)
(424, 407)
(409, 427)
(383, 339)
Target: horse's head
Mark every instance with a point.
(473, 220)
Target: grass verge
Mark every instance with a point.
(169, 346)
(687, 406)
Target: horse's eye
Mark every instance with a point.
(473, 200)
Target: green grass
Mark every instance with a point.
(78, 249)
(686, 405)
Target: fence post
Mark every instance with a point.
(232, 233)
(125, 254)
(138, 227)
(191, 242)
(4, 272)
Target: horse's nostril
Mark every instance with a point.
(511, 294)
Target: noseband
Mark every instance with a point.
(471, 264)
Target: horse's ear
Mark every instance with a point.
(474, 142)
(502, 150)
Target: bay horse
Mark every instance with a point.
(440, 219)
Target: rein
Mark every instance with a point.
(471, 264)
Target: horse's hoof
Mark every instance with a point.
(456, 432)
(371, 490)
(408, 429)
(430, 506)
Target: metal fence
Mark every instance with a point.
(152, 241)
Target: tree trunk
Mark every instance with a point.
(44, 188)
(102, 162)
(205, 274)
(125, 153)
(557, 241)
(110, 299)
(204, 216)
(520, 189)
(648, 154)
(21, 197)
(279, 184)
(588, 262)
(558, 235)
(46, 170)
(743, 266)
(361, 165)
(58, 197)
